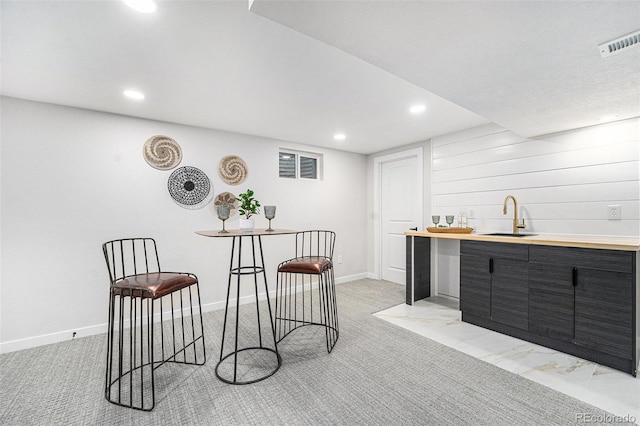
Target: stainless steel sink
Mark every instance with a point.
(508, 234)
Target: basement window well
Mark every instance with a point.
(299, 165)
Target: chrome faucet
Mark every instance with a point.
(517, 224)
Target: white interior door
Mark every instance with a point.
(400, 210)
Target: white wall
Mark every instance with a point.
(563, 182)
(72, 179)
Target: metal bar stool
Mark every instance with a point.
(311, 269)
(139, 339)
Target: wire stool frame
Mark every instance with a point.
(296, 304)
(146, 330)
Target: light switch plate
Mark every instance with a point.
(614, 212)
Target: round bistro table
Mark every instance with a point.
(263, 352)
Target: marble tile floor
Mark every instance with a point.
(439, 319)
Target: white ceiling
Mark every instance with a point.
(531, 66)
(315, 68)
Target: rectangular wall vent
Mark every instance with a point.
(618, 45)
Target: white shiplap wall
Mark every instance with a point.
(563, 182)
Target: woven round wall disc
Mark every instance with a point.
(162, 152)
(190, 187)
(233, 170)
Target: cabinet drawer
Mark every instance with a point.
(605, 260)
(498, 250)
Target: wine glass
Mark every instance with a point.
(269, 213)
(436, 220)
(449, 220)
(224, 210)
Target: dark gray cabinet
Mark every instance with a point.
(510, 292)
(494, 282)
(418, 272)
(603, 312)
(584, 296)
(551, 296)
(577, 300)
(475, 285)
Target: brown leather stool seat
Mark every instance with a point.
(306, 265)
(153, 285)
(139, 340)
(305, 288)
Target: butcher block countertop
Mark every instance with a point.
(584, 241)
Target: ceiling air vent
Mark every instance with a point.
(618, 45)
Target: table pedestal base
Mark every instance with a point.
(253, 366)
(250, 364)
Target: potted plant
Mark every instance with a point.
(248, 207)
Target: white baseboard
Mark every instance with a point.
(371, 276)
(350, 278)
(47, 339)
(61, 336)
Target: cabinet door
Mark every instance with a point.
(493, 281)
(551, 301)
(592, 307)
(604, 311)
(510, 292)
(475, 285)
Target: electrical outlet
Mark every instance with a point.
(614, 212)
(339, 258)
(472, 214)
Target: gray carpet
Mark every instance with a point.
(378, 374)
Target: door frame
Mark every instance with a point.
(418, 153)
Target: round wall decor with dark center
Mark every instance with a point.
(190, 187)
(162, 152)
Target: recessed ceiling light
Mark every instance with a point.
(339, 136)
(417, 109)
(144, 6)
(133, 94)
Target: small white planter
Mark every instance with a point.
(247, 225)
